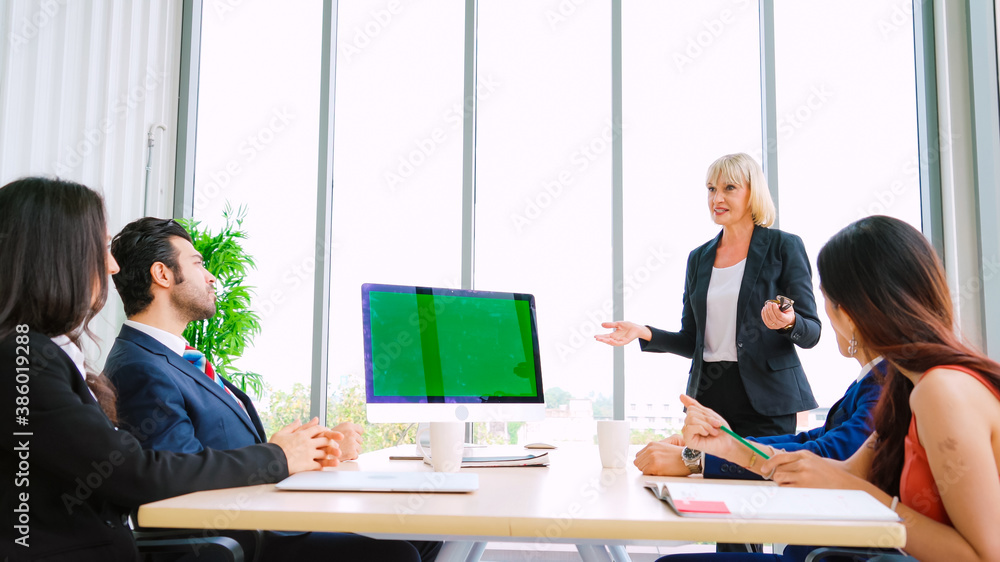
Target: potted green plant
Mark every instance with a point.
(224, 337)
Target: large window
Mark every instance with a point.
(258, 108)
(847, 136)
(846, 141)
(543, 191)
(397, 183)
(691, 93)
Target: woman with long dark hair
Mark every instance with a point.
(71, 476)
(935, 452)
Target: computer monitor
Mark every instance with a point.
(434, 354)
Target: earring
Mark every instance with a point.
(852, 346)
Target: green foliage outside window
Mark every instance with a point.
(348, 404)
(644, 436)
(345, 404)
(555, 397)
(224, 337)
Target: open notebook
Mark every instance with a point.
(704, 499)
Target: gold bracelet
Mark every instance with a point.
(753, 459)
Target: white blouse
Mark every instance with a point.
(720, 312)
(76, 355)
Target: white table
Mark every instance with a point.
(574, 500)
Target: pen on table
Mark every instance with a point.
(745, 442)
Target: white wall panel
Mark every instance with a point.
(81, 83)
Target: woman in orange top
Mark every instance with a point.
(935, 452)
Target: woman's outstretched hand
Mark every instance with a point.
(624, 333)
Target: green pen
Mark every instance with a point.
(744, 441)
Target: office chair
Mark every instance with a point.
(172, 544)
(860, 554)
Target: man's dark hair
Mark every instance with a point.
(136, 248)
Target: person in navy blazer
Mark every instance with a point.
(744, 363)
(182, 409)
(168, 401)
(172, 405)
(71, 476)
(847, 426)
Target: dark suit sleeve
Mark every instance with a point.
(153, 409)
(715, 467)
(796, 282)
(683, 342)
(78, 451)
(843, 440)
(838, 443)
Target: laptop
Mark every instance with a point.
(361, 481)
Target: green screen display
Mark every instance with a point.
(450, 346)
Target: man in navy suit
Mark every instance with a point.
(171, 399)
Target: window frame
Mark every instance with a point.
(986, 150)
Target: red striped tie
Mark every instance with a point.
(199, 360)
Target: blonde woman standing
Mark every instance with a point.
(744, 364)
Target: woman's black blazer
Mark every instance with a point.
(81, 475)
(769, 365)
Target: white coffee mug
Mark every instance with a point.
(612, 442)
(447, 445)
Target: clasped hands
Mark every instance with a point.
(311, 446)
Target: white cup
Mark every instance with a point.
(447, 445)
(612, 442)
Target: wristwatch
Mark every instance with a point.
(692, 459)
